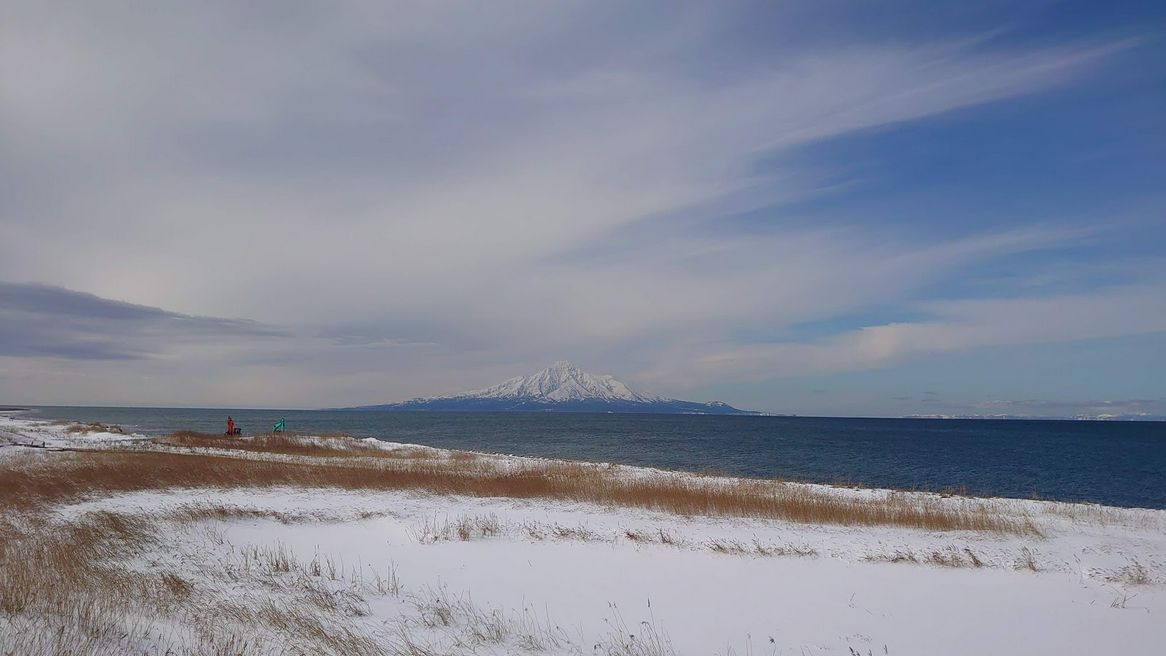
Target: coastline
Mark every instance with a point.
(454, 573)
(979, 457)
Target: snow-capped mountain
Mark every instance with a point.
(562, 387)
(562, 381)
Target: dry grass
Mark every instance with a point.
(1132, 574)
(62, 593)
(950, 556)
(295, 444)
(658, 536)
(178, 586)
(729, 547)
(645, 639)
(758, 548)
(95, 427)
(468, 527)
(896, 556)
(1027, 560)
(191, 513)
(389, 584)
(67, 476)
(581, 533)
(65, 588)
(1098, 515)
(783, 550)
(636, 535)
(282, 443)
(470, 628)
(429, 531)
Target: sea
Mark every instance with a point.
(1112, 463)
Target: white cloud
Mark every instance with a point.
(507, 184)
(955, 326)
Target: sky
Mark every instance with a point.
(819, 207)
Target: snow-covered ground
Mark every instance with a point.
(712, 585)
(423, 573)
(17, 429)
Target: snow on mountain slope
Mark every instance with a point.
(563, 381)
(561, 387)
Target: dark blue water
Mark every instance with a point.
(1114, 463)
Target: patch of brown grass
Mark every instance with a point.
(64, 476)
(94, 427)
(1132, 574)
(462, 456)
(44, 568)
(66, 587)
(178, 586)
(282, 443)
(197, 512)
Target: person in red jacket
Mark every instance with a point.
(230, 426)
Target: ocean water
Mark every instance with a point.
(1113, 463)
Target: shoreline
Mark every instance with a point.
(986, 459)
(55, 440)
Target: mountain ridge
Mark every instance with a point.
(562, 387)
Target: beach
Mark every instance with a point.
(122, 543)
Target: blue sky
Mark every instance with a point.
(802, 207)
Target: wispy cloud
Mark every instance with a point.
(954, 326)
